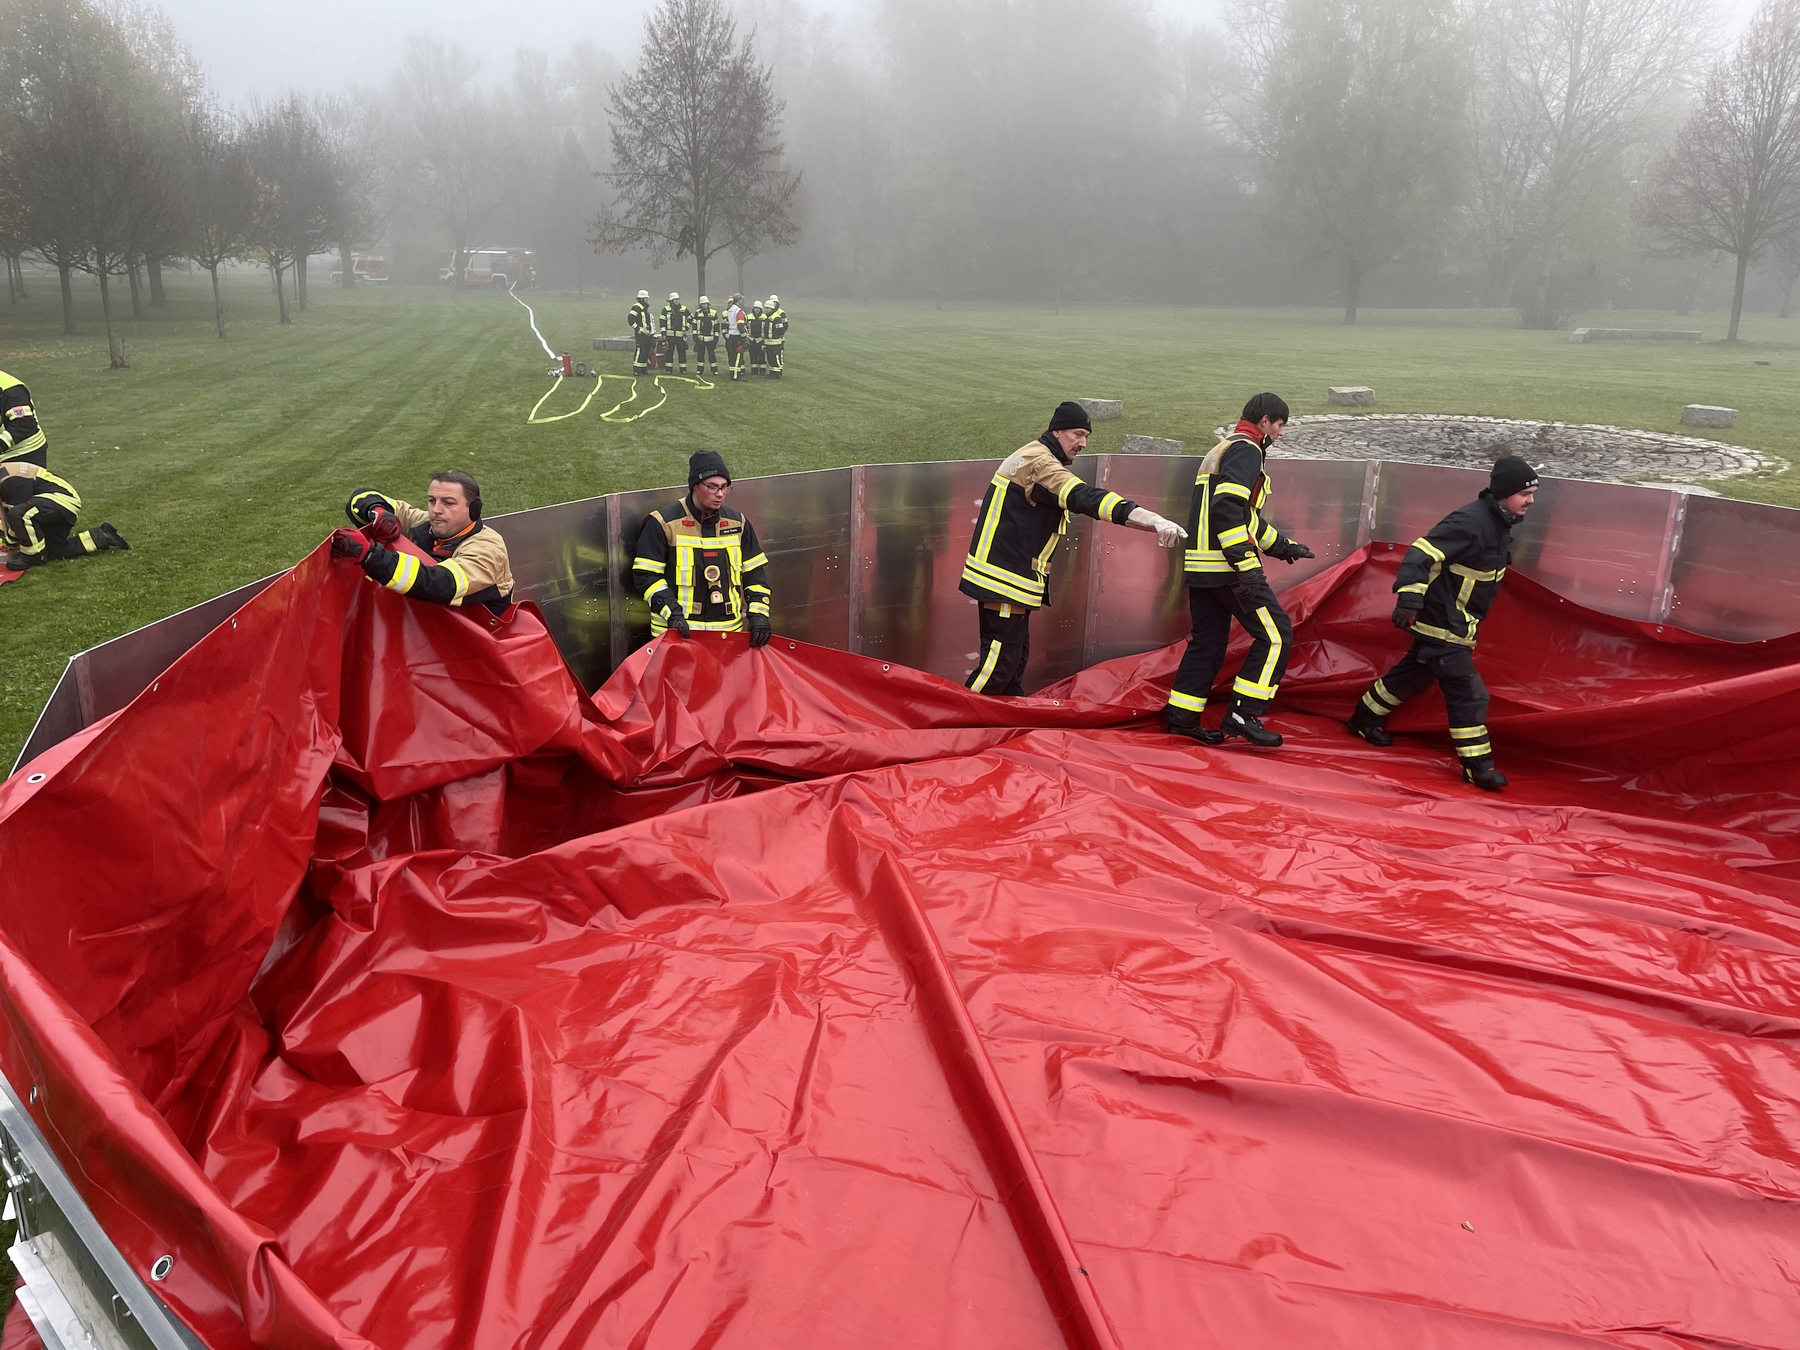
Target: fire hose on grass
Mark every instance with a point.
(563, 371)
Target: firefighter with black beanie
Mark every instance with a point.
(1022, 519)
(1225, 581)
(699, 564)
(1446, 584)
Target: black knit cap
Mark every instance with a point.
(1070, 417)
(1511, 474)
(707, 464)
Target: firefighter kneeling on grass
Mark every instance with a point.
(1022, 519)
(1447, 582)
(698, 561)
(38, 513)
(468, 566)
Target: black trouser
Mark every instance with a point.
(646, 345)
(678, 350)
(1005, 648)
(706, 355)
(1452, 666)
(39, 520)
(1212, 609)
(757, 361)
(773, 350)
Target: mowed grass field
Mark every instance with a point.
(224, 461)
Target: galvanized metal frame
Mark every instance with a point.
(867, 559)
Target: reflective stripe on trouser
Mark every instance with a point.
(1452, 667)
(1212, 609)
(1005, 649)
(50, 535)
(706, 354)
(773, 350)
(640, 362)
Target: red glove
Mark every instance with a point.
(349, 544)
(385, 528)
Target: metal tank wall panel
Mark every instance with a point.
(1736, 570)
(868, 559)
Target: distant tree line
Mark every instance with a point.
(1525, 153)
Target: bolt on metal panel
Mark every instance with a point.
(1736, 570)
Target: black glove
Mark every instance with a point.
(678, 621)
(1289, 551)
(1405, 618)
(1251, 589)
(760, 630)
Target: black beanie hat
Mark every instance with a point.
(1070, 417)
(707, 464)
(1511, 474)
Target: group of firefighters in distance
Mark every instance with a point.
(699, 566)
(755, 339)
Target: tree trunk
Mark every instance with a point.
(218, 302)
(348, 266)
(700, 274)
(740, 285)
(280, 291)
(158, 297)
(68, 299)
(300, 282)
(15, 277)
(1737, 294)
(115, 349)
(1353, 278)
(1787, 295)
(137, 300)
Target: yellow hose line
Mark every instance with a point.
(599, 382)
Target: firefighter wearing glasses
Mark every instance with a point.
(38, 514)
(21, 438)
(698, 561)
(1225, 580)
(1022, 519)
(643, 328)
(1447, 582)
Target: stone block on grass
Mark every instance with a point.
(1103, 409)
(1152, 445)
(615, 344)
(1350, 396)
(1705, 415)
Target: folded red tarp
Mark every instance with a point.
(408, 998)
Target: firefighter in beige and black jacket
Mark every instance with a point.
(1022, 519)
(698, 561)
(468, 561)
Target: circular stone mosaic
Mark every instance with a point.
(1599, 453)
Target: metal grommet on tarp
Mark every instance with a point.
(159, 1270)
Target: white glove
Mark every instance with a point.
(1168, 533)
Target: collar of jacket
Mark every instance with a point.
(448, 545)
(1507, 518)
(1049, 442)
(1251, 430)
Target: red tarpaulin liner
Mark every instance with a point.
(409, 999)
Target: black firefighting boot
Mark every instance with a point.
(1369, 727)
(1185, 722)
(1482, 773)
(1241, 722)
(108, 537)
(18, 562)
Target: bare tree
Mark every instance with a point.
(697, 153)
(362, 168)
(1784, 258)
(219, 193)
(1731, 182)
(296, 192)
(453, 141)
(1566, 92)
(1362, 128)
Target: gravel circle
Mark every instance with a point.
(1598, 453)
